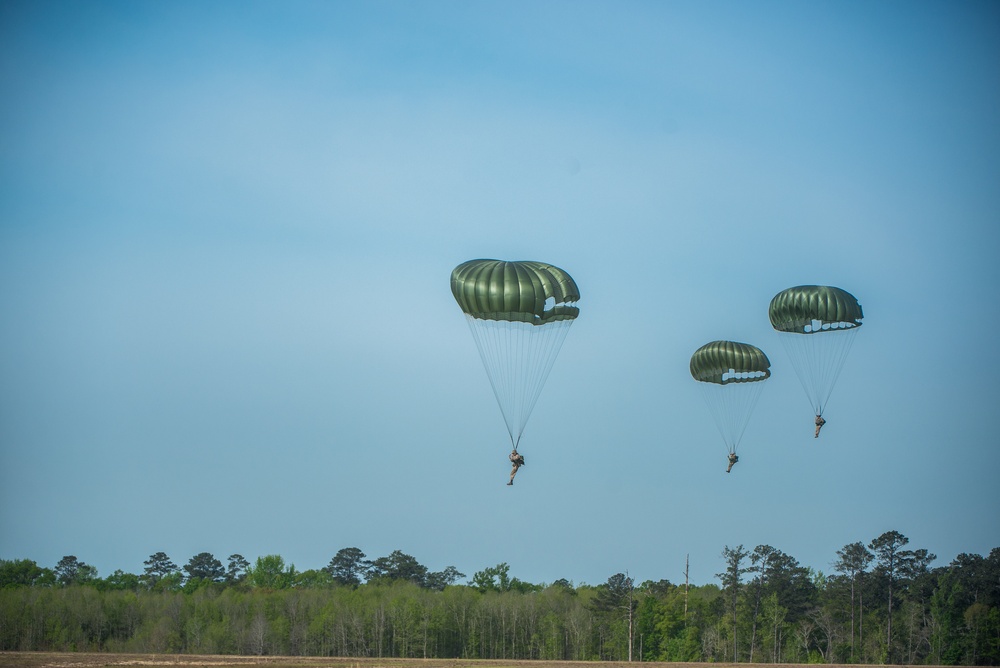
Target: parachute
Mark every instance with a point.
(817, 325)
(731, 376)
(519, 314)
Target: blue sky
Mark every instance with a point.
(227, 230)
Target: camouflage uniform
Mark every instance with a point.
(819, 424)
(517, 460)
(732, 460)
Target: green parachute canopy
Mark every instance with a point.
(730, 376)
(532, 292)
(726, 362)
(811, 309)
(519, 314)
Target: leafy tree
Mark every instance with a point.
(760, 560)
(947, 606)
(270, 572)
(439, 580)
(23, 572)
(988, 584)
(237, 569)
(121, 581)
(616, 596)
(348, 566)
(313, 579)
(960, 624)
(70, 570)
(675, 635)
(648, 612)
(778, 576)
(398, 566)
(896, 567)
(170, 582)
(731, 582)
(658, 588)
(887, 549)
(852, 562)
(204, 566)
(564, 584)
(978, 622)
(158, 566)
(492, 578)
(915, 563)
(773, 617)
(971, 571)
(795, 585)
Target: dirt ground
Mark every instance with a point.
(94, 660)
(86, 660)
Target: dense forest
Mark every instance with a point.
(883, 603)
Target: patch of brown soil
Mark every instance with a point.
(94, 660)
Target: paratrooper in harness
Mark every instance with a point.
(517, 461)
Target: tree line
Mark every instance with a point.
(883, 603)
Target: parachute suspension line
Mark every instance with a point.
(818, 359)
(731, 406)
(543, 357)
(837, 363)
(490, 348)
(720, 406)
(518, 357)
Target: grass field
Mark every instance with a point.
(88, 660)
